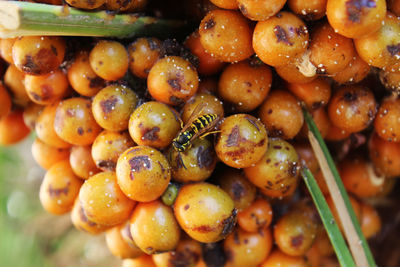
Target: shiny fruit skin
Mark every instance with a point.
(59, 188)
(247, 249)
(242, 141)
(109, 60)
(143, 173)
(46, 155)
(172, 80)
(154, 227)
(37, 55)
(278, 169)
(205, 212)
(74, 121)
(112, 107)
(103, 201)
(118, 246)
(13, 128)
(153, 124)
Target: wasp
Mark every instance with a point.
(197, 126)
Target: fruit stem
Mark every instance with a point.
(24, 18)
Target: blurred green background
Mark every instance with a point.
(31, 237)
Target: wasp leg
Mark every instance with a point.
(181, 122)
(208, 133)
(181, 160)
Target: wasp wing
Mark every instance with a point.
(199, 108)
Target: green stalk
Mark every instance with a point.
(357, 242)
(23, 18)
(334, 234)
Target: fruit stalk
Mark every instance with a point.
(23, 19)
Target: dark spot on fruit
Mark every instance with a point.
(270, 183)
(161, 166)
(350, 96)
(248, 84)
(126, 230)
(150, 133)
(246, 241)
(297, 241)
(236, 154)
(286, 189)
(275, 132)
(233, 137)
(269, 111)
(108, 105)
(80, 130)
(35, 96)
(253, 122)
(236, 238)
(268, 160)
(354, 8)
(183, 258)
(209, 24)
(277, 147)
(84, 218)
(108, 165)
(261, 143)
(186, 207)
(70, 112)
(238, 191)
(393, 49)
(205, 157)
(134, 150)
(100, 62)
(176, 82)
(47, 91)
(82, 214)
(29, 66)
(203, 229)
(139, 163)
(125, 3)
(46, 60)
(95, 82)
(54, 50)
(243, 9)
(56, 192)
(281, 35)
